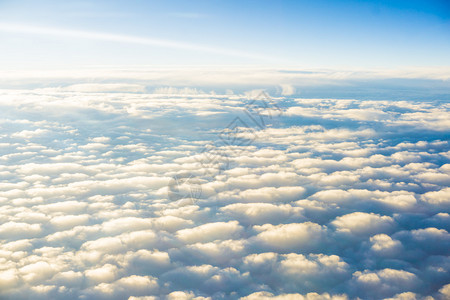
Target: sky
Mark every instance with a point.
(203, 150)
(313, 34)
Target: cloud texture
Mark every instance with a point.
(330, 199)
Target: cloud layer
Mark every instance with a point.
(330, 199)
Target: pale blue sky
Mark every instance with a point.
(277, 33)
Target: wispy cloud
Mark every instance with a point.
(128, 39)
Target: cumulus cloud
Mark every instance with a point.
(441, 197)
(330, 199)
(293, 236)
(287, 90)
(383, 244)
(385, 281)
(363, 223)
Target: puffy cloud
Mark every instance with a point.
(134, 285)
(311, 271)
(288, 237)
(405, 296)
(385, 282)
(445, 291)
(179, 295)
(106, 273)
(297, 272)
(218, 252)
(258, 213)
(423, 238)
(69, 221)
(270, 194)
(384, 245)
(331, 199)
(360, 223)
(9, 279)
(37, 272)
(309, 296)
(440, 198)
(287, 90)
(19, 230)
(210, 232)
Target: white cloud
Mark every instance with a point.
(260, 213)
(292, 236)
(309, 296)
(360, 223)
(384, 245)
(17, 230)
(210, 232)
(385, 281)
(287, 90)
(91, 35)
(349, 201)
(441, 197)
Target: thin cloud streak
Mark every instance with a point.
(128, 39)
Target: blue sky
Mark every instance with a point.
(277, 33)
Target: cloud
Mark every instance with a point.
(26, 134)
(360, 223)
(210, 232)
(385, 281)
(294, 236)
(384, 245)
(260, 213)
(127, 39)
(17, 230)
(333, 199)
(441, 198)
(287, 90)
(309, 296)
(445, 290)
(97, 88)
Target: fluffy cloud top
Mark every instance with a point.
(109, 192)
